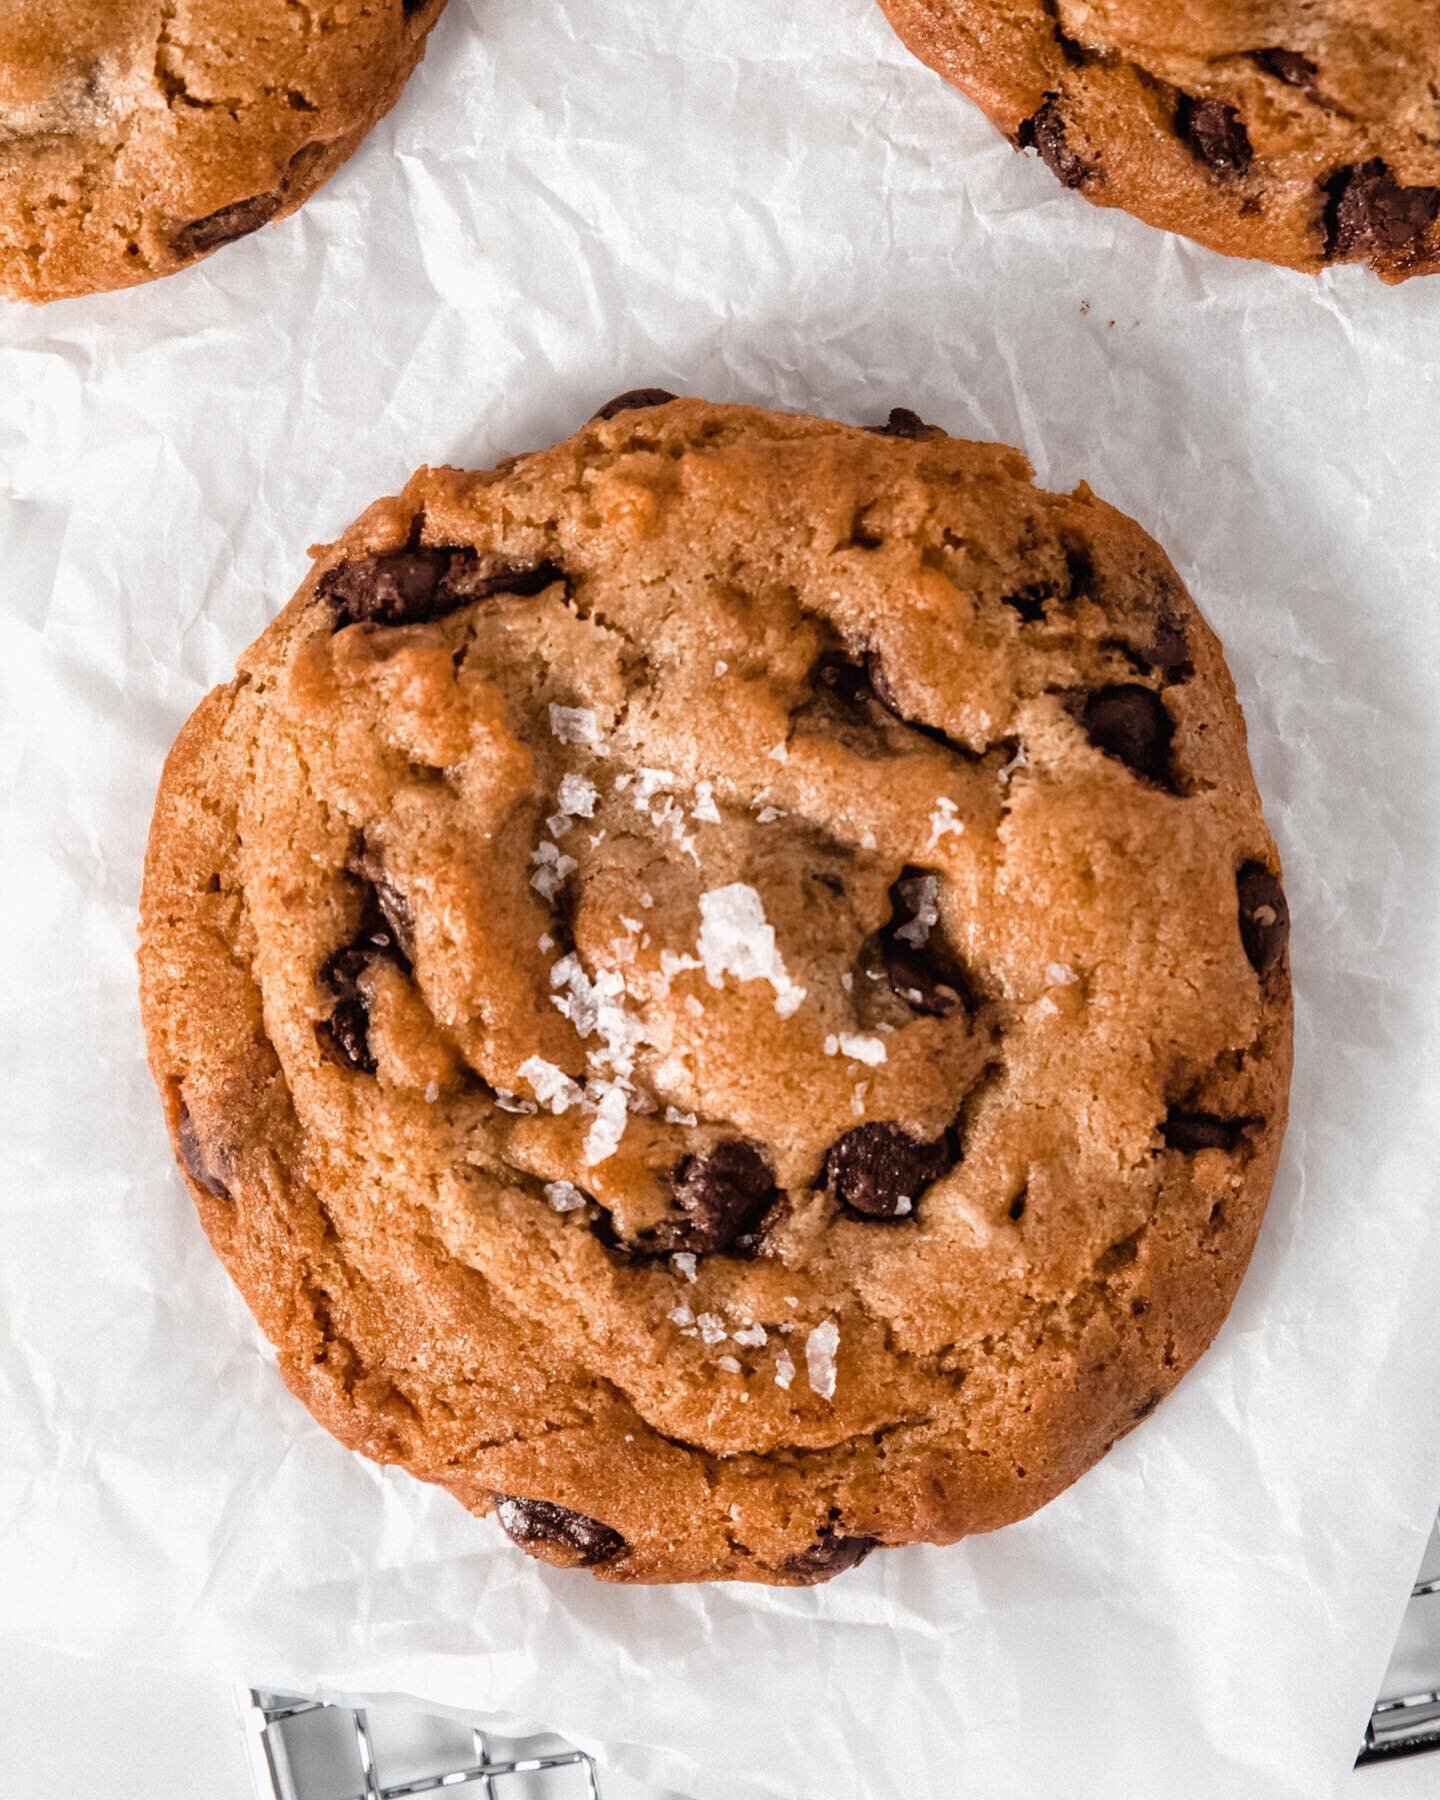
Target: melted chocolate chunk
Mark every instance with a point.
(1369, 213)
(1216, 134)
(722, 1193)
(193, 1156)
(1191, 1131)
(402, 587)
(531, 1522)
(879, 1171)
(394, 907)
(230, 222)
(903, 423)
(1131, 724)
(1045, 131)
(1264, 916)
(1291, 67)
(344, 1037)
(916, 960)
(1168, 652)
(828, 1556)
(633, 400)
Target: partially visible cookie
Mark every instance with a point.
(722, 989)
(1301, 132)
(137, 136)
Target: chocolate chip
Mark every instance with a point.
(903, 423)
(531, 1522)
(230, 222)
(1147, 1405)
(1368, 212)
(1291, 67)
(401, 587)
(1131, 724)
(1168, 652)
(1215, 133)
(880, 1170)
(1264, 916)
(344, 1037)
(1045, 131)
(1191, 1131)
(828, 1556)
(394, 907)
(721, 1193)
(633, 400)
(913, 950)
(193, 1156)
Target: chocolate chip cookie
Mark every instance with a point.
(1302, 132)
(722, 989)
(137, 136)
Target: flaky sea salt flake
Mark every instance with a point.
(868, 1050)
(564, 1196)
(575, 725)
(820, 1348)
(712, 1328)
(784, 1368)
(754, 1337)
(577, 795)
(553, 1087)
(943, 821)
(683, 1261)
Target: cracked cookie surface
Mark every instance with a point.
(1301, 132)
(722, 989)
(137, 136)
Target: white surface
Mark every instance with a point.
(571, 200)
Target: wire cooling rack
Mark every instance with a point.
(319, 1750)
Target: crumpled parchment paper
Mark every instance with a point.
(773, 204)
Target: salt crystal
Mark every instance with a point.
(545, 941)
(857, 1099)
(923, 895)
(903, 1205)
(432, 1092)
(736, 939)
(684, 1261)
(647, 901)
(564, 1196)
(577, 795)
(672, 962)
(767, 815)
(553, 1087)
(1018, 761)
(694, 1007)
(512, 1103)
(1061, 975)
(712, 1328)
(550, 876)
(674, 1116)
(867, 840)
(790, 1300)
(820, 1348)
(597, 838)
(779, 754)
(847, 981)
(603, 1138)
(868, 1050)
(705, 807)
(753, 1336)
(784, 1369)
(943, 820)
(649, 783)
(721, 667)
(732, 1363)
(682, 1315)
(575, 725)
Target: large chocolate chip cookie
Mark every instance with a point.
(722, 988)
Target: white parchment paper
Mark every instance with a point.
(769, 203)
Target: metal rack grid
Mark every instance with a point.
(1404, 1724)
(284, 1771)
(1401, 1725)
